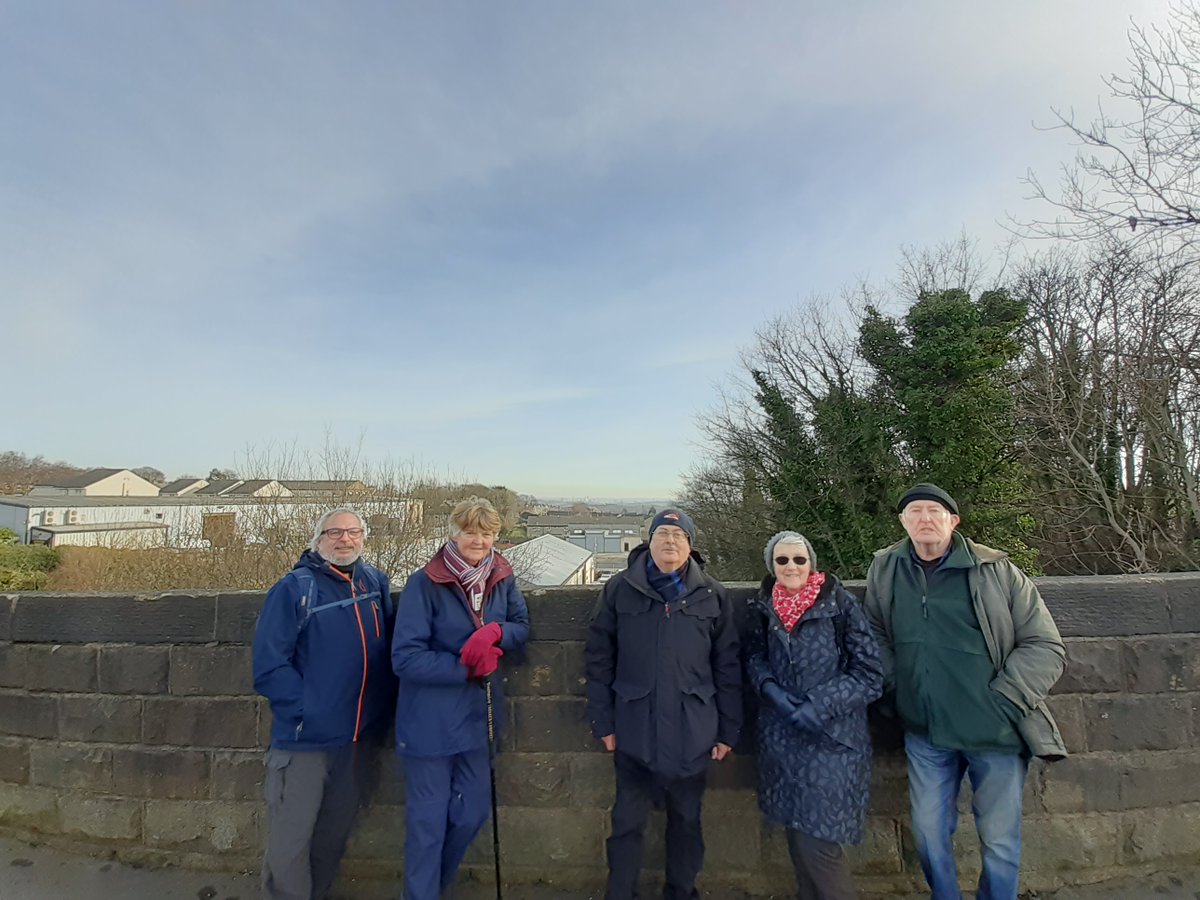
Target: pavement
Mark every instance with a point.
(43, 873)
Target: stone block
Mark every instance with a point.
(550, 724)
(541, 673)
(548, 836)
(1157, 838)
(389, 787)
(1083, 783)
(210, 670)
(29, 808)
(237, 775)
(593, 781)
(732, 840)
(202, 826)
(1183, 598)
(223, 723)
(573, 669)
(1137, 722)
(1162, 664)
(1160, 780)
(140, 772)
(561, 615)
(134, 670)
(76, 767)
(55, 667)
(1070, 842)
(1068, 713)
(237, 614)
(533, 779)
(379, 834)
(737, 772)
(116, 720)
(1093, 666)
(14, 761)
(100, 818)
(879, 853)
(72, 619)
(30, 715)
(12, 665)
(7, 602)
(1099, 605)
(889, 788)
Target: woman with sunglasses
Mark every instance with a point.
(813, 662)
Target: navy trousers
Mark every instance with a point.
(447, 800)
(638, 788)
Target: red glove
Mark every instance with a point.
(482, 640)
(489, 663)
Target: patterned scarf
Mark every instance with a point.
(473, 579)
(791, 605)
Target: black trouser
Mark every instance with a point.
(821, 870)
(637, 790)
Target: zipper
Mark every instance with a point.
(375, 613)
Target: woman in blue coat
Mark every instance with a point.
(456, 617)
(812, 659)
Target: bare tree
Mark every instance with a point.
(1110, 394)
(1137, 170)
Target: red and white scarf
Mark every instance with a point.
(791, 605)
(473, 579)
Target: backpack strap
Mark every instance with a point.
(308, 596)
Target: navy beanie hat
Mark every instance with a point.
(679, 519)
(927, 491)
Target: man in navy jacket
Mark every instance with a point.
(664, 696)
(321, 656)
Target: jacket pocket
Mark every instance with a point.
(699, 719)
(631, 720)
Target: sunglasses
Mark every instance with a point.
(798, 560)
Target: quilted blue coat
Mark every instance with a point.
(817, 783)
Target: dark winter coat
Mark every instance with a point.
(665, 678)
(321, 655)
(816, 783)
(440, 711)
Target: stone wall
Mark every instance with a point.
(129, 725)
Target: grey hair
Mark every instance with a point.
(788, 537)
(324, 520)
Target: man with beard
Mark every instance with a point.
(322, 657)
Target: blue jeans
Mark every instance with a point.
(997, 782)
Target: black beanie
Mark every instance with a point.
(678, 518)
(927, 491)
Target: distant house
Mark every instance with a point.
(548, 561)
(351, 488)
(96, 483)
(259, 487)
(181, 486)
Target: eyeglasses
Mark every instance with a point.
(336, 533)
(668, 533)
(798, 560)
(936, 513)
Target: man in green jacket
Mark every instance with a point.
(969, 654)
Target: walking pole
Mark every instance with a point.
(492, 767)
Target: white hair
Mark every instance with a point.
(324, 520)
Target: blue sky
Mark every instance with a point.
(515, 242)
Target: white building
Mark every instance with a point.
(548, 561)
(182, 521)
(96, 483)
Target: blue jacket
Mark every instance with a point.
(664, 678)
(321, 654)
(440, 712)
(817, 783)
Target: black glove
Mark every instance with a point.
(805, 717)
(778, 697)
